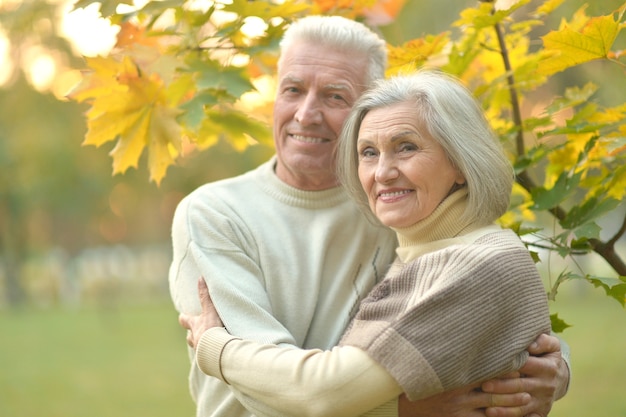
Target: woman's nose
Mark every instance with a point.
(386, 170)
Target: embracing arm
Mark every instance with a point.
(283, 381)
(342, 382)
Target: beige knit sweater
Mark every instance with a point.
(460, 306)
(463, 308)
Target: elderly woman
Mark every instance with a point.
(463, 300)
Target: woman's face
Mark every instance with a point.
(405, 174)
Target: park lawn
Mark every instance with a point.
(104, 362)
(131, 361)
(598, 347)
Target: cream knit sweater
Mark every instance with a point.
(463, 307)
(285, 266)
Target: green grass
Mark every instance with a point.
(127, 361)
(598, 345)
(131, 361)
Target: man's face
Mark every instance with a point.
(317, 87)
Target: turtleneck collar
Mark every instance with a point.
(440, 229)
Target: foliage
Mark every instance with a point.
(180, 73)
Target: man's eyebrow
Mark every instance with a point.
(337, 87)
(291, 79)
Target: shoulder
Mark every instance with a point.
(496, 254)
(226, 194)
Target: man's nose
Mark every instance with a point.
(309, 110)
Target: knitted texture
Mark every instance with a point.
(454, 316)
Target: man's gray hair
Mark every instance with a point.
(343, 34)
(451, 115)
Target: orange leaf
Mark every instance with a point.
(131, 34)
(383, 12)
(326, 5)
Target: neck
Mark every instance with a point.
(307, 182)
(444, 223)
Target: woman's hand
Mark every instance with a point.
(198, 324)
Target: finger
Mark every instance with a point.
(544, 365)
(516, 400)
(505, 412)
(183, 320)
(504, 386)
(483, 400)
(544, 344)
(203, 292)
(514, 374)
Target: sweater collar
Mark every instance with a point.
(440, 229)
(285, 193)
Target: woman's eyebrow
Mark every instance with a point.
(402, 135)
(394, 138)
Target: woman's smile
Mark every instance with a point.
(405, 173)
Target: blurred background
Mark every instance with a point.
(86, 325)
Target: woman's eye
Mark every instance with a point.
(368, 153)
(408, 147)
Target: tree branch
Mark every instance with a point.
(605, 249)
(517, 114)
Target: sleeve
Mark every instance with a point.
(474, 322)
(565, 354)
(210, 244)
(284, 381)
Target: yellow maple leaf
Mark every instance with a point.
(617, 186)
(566, 157)
(132, 107)
(415, 53)
(547, 7)
(131, 143)
(165, 141)
(571, 45)
(100, 78)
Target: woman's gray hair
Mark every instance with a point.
(452, 116)
(342, 34)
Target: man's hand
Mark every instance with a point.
(529, 392)
(545, 377)
(467, 401)
(197, 325)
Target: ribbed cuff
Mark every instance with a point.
(389, 409)
(209, 351)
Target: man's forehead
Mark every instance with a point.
(331, 84)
